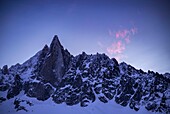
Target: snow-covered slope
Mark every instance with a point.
(49, 107)
(53, 81)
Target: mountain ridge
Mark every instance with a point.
(56, 74)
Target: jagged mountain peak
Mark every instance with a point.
(54, 63)
(55, 44)
(83, 79)
(45, 48)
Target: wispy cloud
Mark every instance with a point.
(126, 33)
(122, 34)
(127, 40)
(116, 48)
(121, 39)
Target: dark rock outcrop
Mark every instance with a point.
(83, 80)
(38, 90)
(18, 106)
(5, 70)
(15, 89)
(55, 62)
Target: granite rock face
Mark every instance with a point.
(54, 62)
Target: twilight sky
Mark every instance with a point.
(134, 31)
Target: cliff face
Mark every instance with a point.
(54, 63)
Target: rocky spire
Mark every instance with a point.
(44, 52)
(54, 65)
(55, 44)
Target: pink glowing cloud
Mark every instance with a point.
(116, 48)
(122, 38)
(127, 40)
(126, 33)
(122, 34)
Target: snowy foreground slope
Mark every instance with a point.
(54, 81)
(49, 107)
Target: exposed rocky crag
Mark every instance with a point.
(54, 73)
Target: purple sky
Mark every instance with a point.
(134, 31)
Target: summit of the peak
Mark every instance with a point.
(55, 43)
